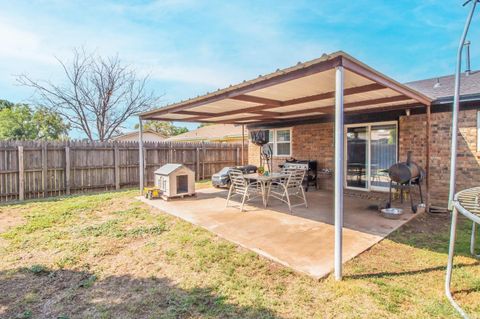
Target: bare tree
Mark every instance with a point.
(98, 96)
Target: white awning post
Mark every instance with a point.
(140, 154)
(339, 75)
(243, 144)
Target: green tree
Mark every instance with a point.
(49, 125)
(20, 121)
(165, 128)
(5, 104)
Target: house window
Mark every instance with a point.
(280, 141)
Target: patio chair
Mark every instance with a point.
(242, 187)
(287, 171)
(287, 188)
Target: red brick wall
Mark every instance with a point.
(253, 154)
(412, 136)
(310, 141)
(315, 141)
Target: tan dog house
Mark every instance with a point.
(175, 180)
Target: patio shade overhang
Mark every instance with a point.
(334, 84)
(306, 90)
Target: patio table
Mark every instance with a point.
(466, 203)
(264, 181)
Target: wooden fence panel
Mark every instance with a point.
(8, 172)
(129, 165)
(55, 175)
(56, 168)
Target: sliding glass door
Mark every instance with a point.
(370, 150)
(383, 153)
(357, 149)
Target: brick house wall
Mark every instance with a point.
(253, 153)
(468, 159)
(412, 137)
(307, 140)
(315, 141)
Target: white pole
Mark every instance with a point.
(338, 171)
(140, 154)
(456, 107)
(243, 144)
(453, 163)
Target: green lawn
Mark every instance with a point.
(110, 256)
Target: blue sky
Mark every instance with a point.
(190, 47)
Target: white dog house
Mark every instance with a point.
(175, 180)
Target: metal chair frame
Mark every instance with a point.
(475, 218)
(473, 240)
(240, 186)
(285, 188)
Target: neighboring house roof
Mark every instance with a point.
(211, 132)
(169, 168)
(148, 135)
(442, 88)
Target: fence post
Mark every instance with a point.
(21, 175)
(145, 168)
(44, 169)
(204, 154)
(67, 170)
(70, 172)
(197, 160)
(116, 159)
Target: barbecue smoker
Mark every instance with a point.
(404, 176)
(310, 168)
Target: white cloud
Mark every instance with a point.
(21, 45)
(188, 45)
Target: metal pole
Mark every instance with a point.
(243, 144)
(338, 203)
(428, 152)
(140, 154)
(451, 252)
(456, 107)
(467, 58)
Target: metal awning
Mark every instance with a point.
(305, 90)
(335, 84)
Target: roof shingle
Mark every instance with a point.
(443, 87)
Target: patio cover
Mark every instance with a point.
(306, 90)
(335, 84)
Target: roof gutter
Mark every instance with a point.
(463, 98)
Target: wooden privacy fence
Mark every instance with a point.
(35, 169)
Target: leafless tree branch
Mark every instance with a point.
(98, 95)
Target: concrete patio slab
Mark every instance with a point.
(303, 240)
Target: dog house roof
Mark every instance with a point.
(167, 169)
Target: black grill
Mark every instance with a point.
(404, 176)
(311, 168)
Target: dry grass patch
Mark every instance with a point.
(110, 256)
